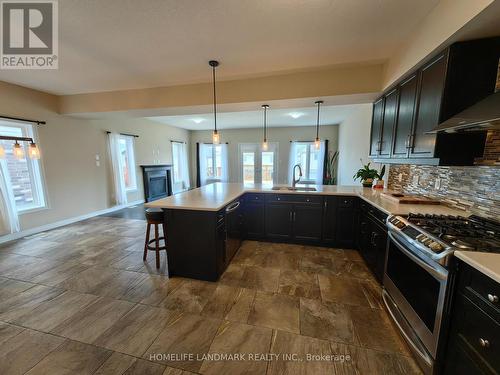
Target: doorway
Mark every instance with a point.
(258, 166)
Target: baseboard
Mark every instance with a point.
(61, 223)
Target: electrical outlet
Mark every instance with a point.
(416, 179)
(400, 177)
(437, 183)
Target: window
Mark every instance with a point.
(258, 166)
(128, 162)
(25, 175)
(213, 163)
(310, 160)
(180, 167)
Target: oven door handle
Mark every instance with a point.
(437, 273)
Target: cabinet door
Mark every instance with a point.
(389, 119)
(379, 246)
(253, 220)
(432, 79)
(345, 226)
(406, 114)
(377, 122)
(364, 238)
(307, 222)
(279, 220)
(329, 219)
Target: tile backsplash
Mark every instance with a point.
(475, 189)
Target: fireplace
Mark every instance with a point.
(157, 181)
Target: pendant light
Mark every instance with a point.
(2, 152)
(215, 133)
(317, 141)
(18, 151)
(34, 151)
(264, 142)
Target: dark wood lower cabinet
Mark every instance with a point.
(474, 339)
(307, 222)
(253, 220)
(278, 221)
(372, 238)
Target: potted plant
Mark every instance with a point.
(380, 178)
(330, 178)
(366, 175)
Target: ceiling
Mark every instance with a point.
(126, 44)
(306, 116)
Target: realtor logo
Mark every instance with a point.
(29, 34)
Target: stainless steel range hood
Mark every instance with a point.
(483, 115)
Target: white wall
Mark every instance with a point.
(254, 135)
(354, 143)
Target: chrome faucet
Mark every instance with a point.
(295, 181)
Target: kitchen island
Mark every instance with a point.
(205, 226)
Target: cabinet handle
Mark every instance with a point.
(291, 216)
(484, 343)
(279, 198)
(325, 204)
(294, 216)
(492, 298)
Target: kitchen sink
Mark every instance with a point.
(294, 188)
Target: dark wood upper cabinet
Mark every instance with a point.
(438, 89)
(405, 116)
(432, 79)
(377, 124)
(390, 113)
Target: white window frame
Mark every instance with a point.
(213, 178)
(35, 168)
(307, 168)
(130, 149)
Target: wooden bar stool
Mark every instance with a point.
(154, 216)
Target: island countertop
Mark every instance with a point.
(216, 196)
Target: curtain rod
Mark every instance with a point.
(210, 143)
(125, 134)
(307, 141)
(23, 120)
(22, 139)
(174, 141)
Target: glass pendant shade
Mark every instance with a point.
(34, 151)
(215, 137)
(317, 143)
(18, 151)
(265, 146)
(2, 152)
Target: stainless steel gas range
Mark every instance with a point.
(418, 280)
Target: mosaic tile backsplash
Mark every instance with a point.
(475, 189)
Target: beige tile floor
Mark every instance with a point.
(79, 300)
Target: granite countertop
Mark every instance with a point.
(216, 196)
(486, 263)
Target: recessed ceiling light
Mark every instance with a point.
(198, 120)
(296, 115)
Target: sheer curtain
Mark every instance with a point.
(224, 163)
(184, 167)
(205, 152)
(318, 179)
(9, 220)
(117, 169)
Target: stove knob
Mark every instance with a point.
(421, 238)
(436, 246)
(428, 242)
(400, 224)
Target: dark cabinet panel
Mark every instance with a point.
(329, 220)
(378, 240)
(390, 113)
(405, 116)
(432, 80)
(345, 226)
(254, 216)
(377, 123)
(307, 222)
(278, 221)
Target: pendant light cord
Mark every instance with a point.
(215, 99)
(317, 122)
(265, 123)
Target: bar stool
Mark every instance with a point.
(154, 216)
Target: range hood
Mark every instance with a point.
(485, 114)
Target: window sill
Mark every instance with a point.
(32, 210)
